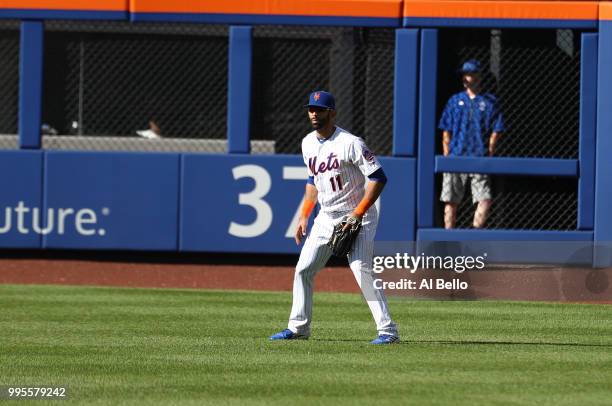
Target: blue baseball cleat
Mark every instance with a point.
(385, 339)
(287, 334)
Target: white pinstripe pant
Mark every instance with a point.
(313, 258)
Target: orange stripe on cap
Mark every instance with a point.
(112, 5)
(347, 8)
(553, 10)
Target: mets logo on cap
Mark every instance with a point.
(321, 99)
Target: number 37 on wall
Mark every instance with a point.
(255, 199)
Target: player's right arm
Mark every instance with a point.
(310, 201)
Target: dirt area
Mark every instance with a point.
(275, 273)
(154, 270)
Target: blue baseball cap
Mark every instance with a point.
(323, 99)
(471, 66)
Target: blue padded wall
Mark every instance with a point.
(30, 83)
(427, 127)
(588, 128)
(405, 102)
(603, 163)
(270, 189)
(133, 198)
(21, 196)
(239, 89)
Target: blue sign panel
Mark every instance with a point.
(20, 199)
(244, 203)
(111, 200)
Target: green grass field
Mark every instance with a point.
(146, 346)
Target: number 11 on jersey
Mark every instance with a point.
(336, 182)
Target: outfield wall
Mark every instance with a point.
(238, 202)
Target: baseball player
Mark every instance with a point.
(338, 163)
(471, 125)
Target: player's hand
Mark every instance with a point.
(302, 230)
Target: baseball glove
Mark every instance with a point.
(341, 241)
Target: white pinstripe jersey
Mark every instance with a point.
(339, 166)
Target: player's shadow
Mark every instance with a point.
(470, 342)
(346, 340)
(338, 340)
(466, 342)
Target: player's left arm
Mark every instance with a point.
(368, 164)
(373, 190)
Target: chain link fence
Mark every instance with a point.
(523, 202)
(121, 83)
(9, 83)
(112, 85)
(535, 74)
(355, 64)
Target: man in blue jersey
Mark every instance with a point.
(471, 125)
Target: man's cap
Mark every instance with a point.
(322, 99)
(471, 66)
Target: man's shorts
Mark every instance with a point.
(453, 187)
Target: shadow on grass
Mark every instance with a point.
(466, 342)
